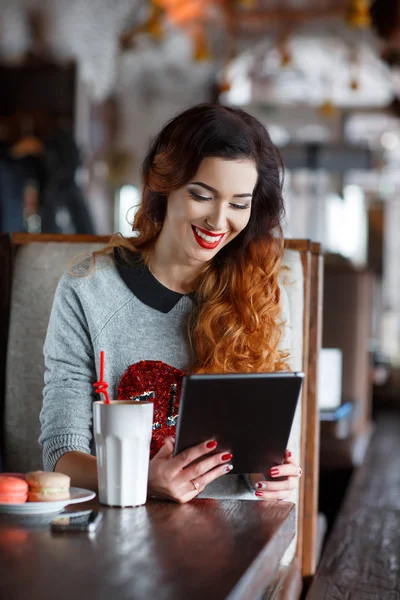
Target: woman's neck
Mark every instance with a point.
(173, 272)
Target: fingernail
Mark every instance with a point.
(225, 457)
(259, 494)
(228, 468)
(274, 472)
(288, 453)
(261, 486)
(211, 445)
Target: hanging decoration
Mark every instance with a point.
(222, 82)
(223, 85)
(183, 12)
(201, 51)
(328, 109)
(192, 15)
(354, 84)
(153, 26)
(355, 69)
(359, 15)
(249, 4)
(284, 50)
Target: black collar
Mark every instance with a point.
(142, 283)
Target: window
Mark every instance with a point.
(127, 203)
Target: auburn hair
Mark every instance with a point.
(235, 324)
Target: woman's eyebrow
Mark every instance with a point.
(211, 189)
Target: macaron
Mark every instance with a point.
(47, 487)
(19, 475)
(13, 490)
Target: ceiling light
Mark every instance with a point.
(389, 140)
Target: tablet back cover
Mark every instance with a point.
(249, 415)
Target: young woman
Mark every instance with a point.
(196, 290)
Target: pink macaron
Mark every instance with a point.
(13, 489)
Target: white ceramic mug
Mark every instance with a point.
(122, 433)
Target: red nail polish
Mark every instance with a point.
(226, 457)
(274, 472)
(211, 445)
(259, 494)
(289, 454)
(259, 485)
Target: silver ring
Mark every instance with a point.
(196, 484)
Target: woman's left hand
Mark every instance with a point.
(290, 473)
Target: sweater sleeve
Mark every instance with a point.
(66, 415)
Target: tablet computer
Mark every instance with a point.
(249, 415)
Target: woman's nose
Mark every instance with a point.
(217, 220)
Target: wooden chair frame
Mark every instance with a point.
(312, 263)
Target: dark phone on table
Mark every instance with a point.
(83, 522)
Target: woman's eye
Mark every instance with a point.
(241, 206)
(198, 197)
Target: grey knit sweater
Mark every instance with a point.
(126, 312)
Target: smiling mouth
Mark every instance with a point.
(205, 239)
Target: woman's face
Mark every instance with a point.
(211, 209)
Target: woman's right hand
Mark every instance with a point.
(171, 476)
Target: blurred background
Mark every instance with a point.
(85, 84)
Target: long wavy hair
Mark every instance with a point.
(235, 324)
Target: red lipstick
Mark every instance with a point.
(204, 243)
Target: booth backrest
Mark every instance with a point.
(36, 272)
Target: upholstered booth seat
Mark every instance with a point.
(37, 270)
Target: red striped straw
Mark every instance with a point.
(101, 385)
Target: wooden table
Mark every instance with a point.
(205, 549)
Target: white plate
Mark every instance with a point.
(40, 508)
